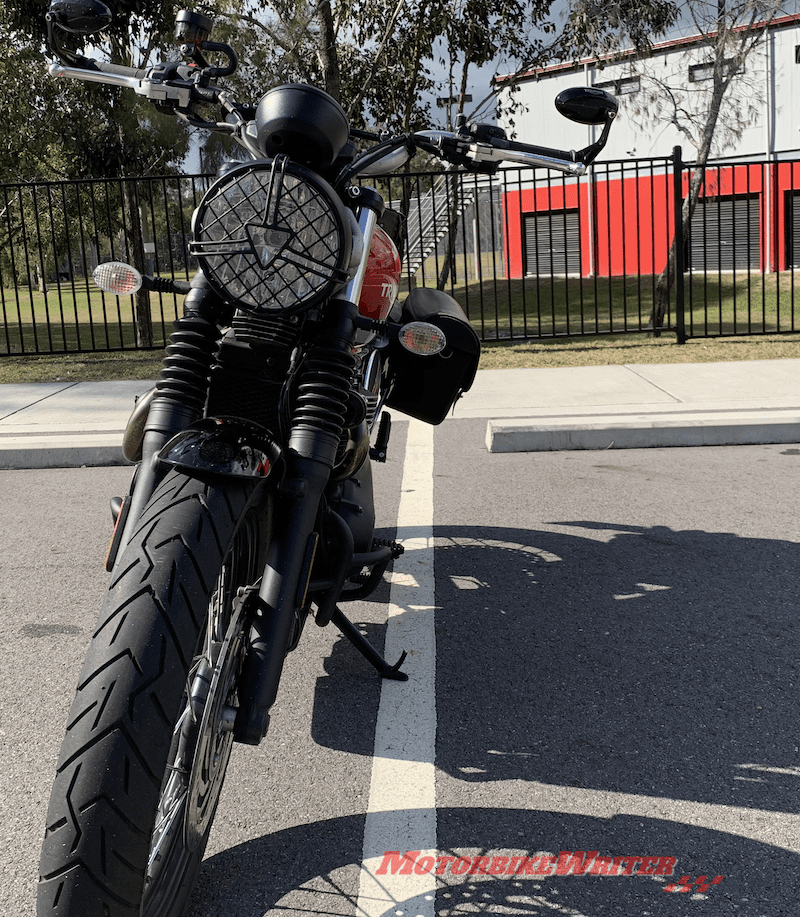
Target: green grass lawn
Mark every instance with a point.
(80, 318)
(70, 318)
(716, 305)
(622, 349)
(615, 316)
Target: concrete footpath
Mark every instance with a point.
(67, 424)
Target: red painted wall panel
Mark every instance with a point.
(631, 221)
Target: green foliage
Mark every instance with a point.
(380, 58)
(604, 26)
(434, 46)
(68, 129)
(386, 54)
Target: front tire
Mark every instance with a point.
(150, 730)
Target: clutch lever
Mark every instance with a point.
(173, 93)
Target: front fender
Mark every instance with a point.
(223, 446)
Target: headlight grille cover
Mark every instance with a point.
(272, 236)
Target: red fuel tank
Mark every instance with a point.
(382, 279)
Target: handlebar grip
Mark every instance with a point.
(88, 63)
(515, 146)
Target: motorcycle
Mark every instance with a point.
(251, 506)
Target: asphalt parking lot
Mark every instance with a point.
(610, 669)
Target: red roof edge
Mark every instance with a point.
(780, 22)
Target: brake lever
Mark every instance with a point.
(500, 151)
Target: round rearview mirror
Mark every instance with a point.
(82, 17)
(587, 105)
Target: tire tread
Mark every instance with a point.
(121, 721)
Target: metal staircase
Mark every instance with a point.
(429, 217)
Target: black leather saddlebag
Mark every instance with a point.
(428, 387)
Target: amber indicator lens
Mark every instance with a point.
(117, 277)
(422, 338)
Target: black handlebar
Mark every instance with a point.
(178, 87)
(88, 63)
(514, 146)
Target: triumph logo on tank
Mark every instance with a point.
(566, 863)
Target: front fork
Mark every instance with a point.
(317, 427)
(319, 408)
(178, 401)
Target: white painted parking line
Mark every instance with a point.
(402, 803)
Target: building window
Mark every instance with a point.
(552, 243)
(622, 87)
(797, 54)
(793, 228)
(700, 72)
(725, 234)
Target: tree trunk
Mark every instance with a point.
(664, 283)
(452, 224)
(143, 321)
(329, 57)
(407, 113)
(667, 277)
(455, 207)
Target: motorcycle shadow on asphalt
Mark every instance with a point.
(314, 870)
(580, 670)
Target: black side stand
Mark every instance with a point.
(366, 649)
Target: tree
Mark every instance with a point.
(84, 130)
(710, 113)
(412, 40)
(475, 35)
(68, 129)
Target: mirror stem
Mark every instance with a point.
(588, 154)
(67, 58)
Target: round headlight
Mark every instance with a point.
(272, 236)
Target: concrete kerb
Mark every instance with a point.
(65, 425)
(602, 407)
(663, 405)
(90, 450)
(640, 432)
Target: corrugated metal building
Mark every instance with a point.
(619, 219)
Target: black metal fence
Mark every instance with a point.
(528, 254)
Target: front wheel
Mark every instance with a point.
(150, 730)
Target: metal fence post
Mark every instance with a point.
(535, 227)
(677, 197)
